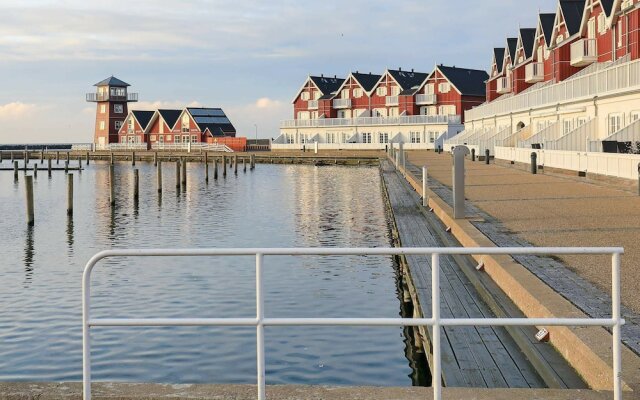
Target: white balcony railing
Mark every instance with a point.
(392, 101)
(534, 72)
(342, 103)
(623, 77)
(312, 104)
(503, 85)
(584, 52)
(425, 99)
(369, 121)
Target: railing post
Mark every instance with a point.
(260, 327)
(615, 315)
(86, 340)
(424, 186)
(436, 373)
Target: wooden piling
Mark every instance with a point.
(206, 157)
(235, 164)
(66, 167)
(41, 156)
(12, 157)
(15, 171)
(35, 171)
(49, 167)
(79, 163)
(178, 175)
(1, 156)
(28, 186)
(206, 172)
(68, 157)
(87, 157)
(136, 186)
(159, 176)
(26, 158)
(111, 158)
(155, 158)
(215, 168)
(57, 157)
(184, 173)
(244, 164)
(133, 158)
(70, 194)
(224, 166)
(112, 195)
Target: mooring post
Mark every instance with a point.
(159, 176)
(133, 158)
(638, 179)
(41, 156)
(178, 175)
(112, 193)
(206, 157)
(487, 156)
(155, 158)
(224, 166)
(1, 156)
(459, 153)
(66, 167)
(28, 186)
(57, 157)
(15, 171)
(206, 172)
(473, 155)
(397, 160)
(315, 147)
(79, 164)
(12, 156)
(215, 168)
(68, 157)
(244, 164)
(35, 171)
(49, 167)
(70, 194)
(26, 158)
(425, 201)
(111, 158)
(534, 163)
(136, 185)
(87, 157)
(235, 164)
(184, 173)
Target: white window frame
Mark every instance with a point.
(366, 137)
(357, 93)
(414, 137)
(383, 137)
(567, 125)
(344, 94)
(444, 87)
(615, 122)
(102, 125)
(317, 95)
(118, 125)
(161, 138)
(381, 91)
(395, 90)
(194, 138)
(619, 33)
(634, 116)
(130, 126)
(103, 108)
(305, 96)
(117, 107)
(430, 88)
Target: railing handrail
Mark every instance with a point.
(615, 322)
(367, 121)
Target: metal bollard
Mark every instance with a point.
(206, 172)
(487, 156)
(28, 186)
(534, 163)
(473, 155)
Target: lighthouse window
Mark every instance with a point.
(118, 125)
(118, 109)
(103, 109)
(102, 125)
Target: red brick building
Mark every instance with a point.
(112, 99)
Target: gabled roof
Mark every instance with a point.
(498, 55)
(469, 82)
(607, 6)
(408, 80)
(327, 85)
(212, 119)
(170, 116)
(546, 24)
(527, 38)
(512, 44)
(112, 81)
(367, 81)
(143, 117)
(572, 11)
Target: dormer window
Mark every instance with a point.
(185, 122)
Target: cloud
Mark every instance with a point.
(161, 104)
(15, 109)
(264, 112)
(267, 103)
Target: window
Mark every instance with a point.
(103, 108)
(635, 115)
(429, 110)
(305, 96)
(395, 90)
(591, 28)
(344, 94)
(123, 139)
(344, 113)
(102, 124)
(331, 137)
(567, 126)
(394, 112)
(153, 138)
(194, 138)
(118, 108)
(444, 87)
(415, 137)
(185, 124)
(383, 137)
(366, 138)
(581, 121)
(314, 115)
(317, 95)
(619, 33)
(433, 136)
(303, 114)
(380, 112)
(345, 138)
(289, 138)
(447, 110)
(303, 138)
(161, 138)
(118, 125)
(357, 93)
(168, 138)
(381, 91)
(429, 89)
(131, 125)
(185, 139)
(615, 122)
(602, 24)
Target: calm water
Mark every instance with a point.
(273, 206)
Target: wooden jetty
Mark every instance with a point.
(489, 357)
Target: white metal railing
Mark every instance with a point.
(191, 146)
(122, 146)
(82, 146)
(534, 72)
(369, 121)
(422, 99)
(584, 52)
(435, 321)
(392, 100)
(503, 85)
(341, 103)
(312, 104)
(619, 77)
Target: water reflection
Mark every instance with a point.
(70, 234)
(29, 253)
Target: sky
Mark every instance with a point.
(249, 57)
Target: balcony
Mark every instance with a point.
(503, 86)
(342, 103)
(372, 121)
(312, 105)
(392, 101)
(425, 99)
(96, 97)
(584, 52)
(534, 72)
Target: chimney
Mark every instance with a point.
(411, 69)
(399, 69)
(321, 75)
(335, 77)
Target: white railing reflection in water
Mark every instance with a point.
(615, 322)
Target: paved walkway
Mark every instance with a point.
(520, 209)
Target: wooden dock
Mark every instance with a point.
(489, 357)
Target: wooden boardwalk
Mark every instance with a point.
(471, 356)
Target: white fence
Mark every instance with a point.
(191, 146)
(352, 146)
(622, 77)
(82, 147)
(608, 164)
(370, 121)
(259, 322)
(122, 146)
